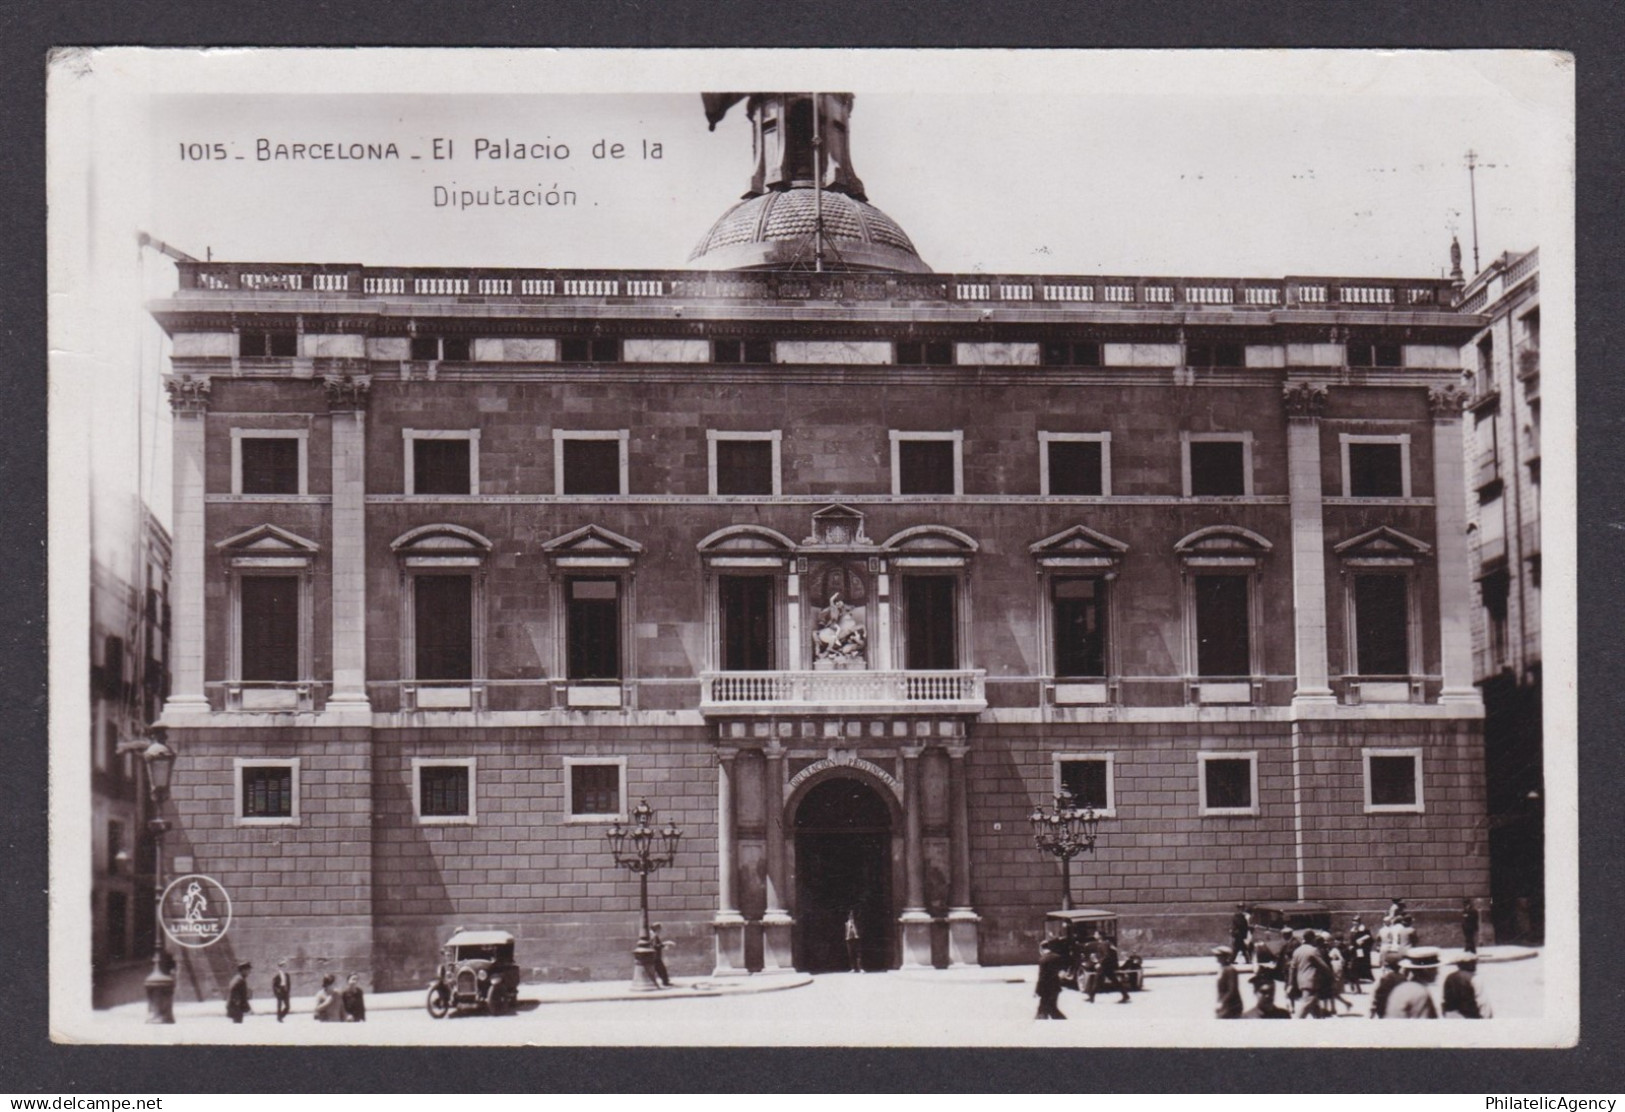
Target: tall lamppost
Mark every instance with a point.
(160, 983)
(642, 849)
(1065, 831)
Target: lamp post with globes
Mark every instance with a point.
(642, 849)
(1065, 831)
(159, 759)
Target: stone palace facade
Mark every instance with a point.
(843, 565)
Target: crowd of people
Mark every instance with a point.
(1319, 969)
(332, 1005)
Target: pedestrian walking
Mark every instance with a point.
(660, 944)
(282, 989)
(1361, 942)
(1464, 993)
(1106, 975)
(854, 942)
(355, 1001)
(329, 1004)
(1240, 930)
(1052, 961)
(1229, 987)
(237, 993)
(1405, 938)
(1332, 950)
(1411, 998)
(1469, 926)
(1309, 976)
(1265, 1007)
(1391, 976)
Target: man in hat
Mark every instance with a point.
(1360, 943)
(282, 989)
(1052, 962)
(237, 993)
(1469, 926)
(1240, 925)
(1264, 985)
(1464, 992)
(1230, 1005)
(1411, 998)
(1107, 964)
(1391, 976)
(660, 945)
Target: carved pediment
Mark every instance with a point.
(268, 540)
(837, 526)
(927, 540)
(1383, 544)
(747, 540)
(1222, 546)
(592, 540)
(1078, 545)
(441, 539)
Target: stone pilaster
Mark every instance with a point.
(729, 925)
(1450, 523)
(963, 942)
(776, 920)
(189, 399)
(347, 401)
(915, 920)
(1305, 402)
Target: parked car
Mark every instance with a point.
(1290, 915)
(478, 971)
(1078, 926)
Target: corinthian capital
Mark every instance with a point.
(188, 393)
(1304, 399)
(346, 393)
(1446, 402)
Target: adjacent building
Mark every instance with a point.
(843, 564)
(1502, 363)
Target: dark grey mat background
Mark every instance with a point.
(30, 1063)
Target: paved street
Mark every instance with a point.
(986, 1007)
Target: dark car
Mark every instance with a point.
(478, 972)
(1291, 915)
(1078, 926)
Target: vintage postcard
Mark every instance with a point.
(1005, 548)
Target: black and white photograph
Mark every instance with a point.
(1007, 548)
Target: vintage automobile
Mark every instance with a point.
(1290, 915)
(1078, 926)
(478, 971)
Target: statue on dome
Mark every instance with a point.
(789, 136)
(839, 639)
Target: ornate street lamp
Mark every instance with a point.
(643, 849)
(160, 983)
(1065, 831)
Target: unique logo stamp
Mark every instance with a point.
(195, 911)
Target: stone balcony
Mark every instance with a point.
(911, 692)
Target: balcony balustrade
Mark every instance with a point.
(959, 691)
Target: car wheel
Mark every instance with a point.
(439, 1002)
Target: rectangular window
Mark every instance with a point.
(444, 789)
(590, 464)
(1076, 466)
(1080, 627)
(593, 636)
(596, 349)
(270, 465)
(269, 623)
(1393, 780)
(1217, 466)
(441, 466)
(931, 642)
(744, 466)
(926, 463)
(596, 787)
(430, 348)
(267, 790)
(924, 352)
(1215, 355)
(1375, 355)
(1088, 779)
(1223, 626)
(1484, 372)
(1071, 353)
(1381, 625)
(280, 344)
(746, 620)
(443, 627)
(118, 925)
(1228, 784)
(742, 351)
(1376, 467)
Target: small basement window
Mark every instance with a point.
(1228, 784)
(267, 791)
(1393, 780)
(597, 788)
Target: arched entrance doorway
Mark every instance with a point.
(843, 863)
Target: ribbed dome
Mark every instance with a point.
(774, 229)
